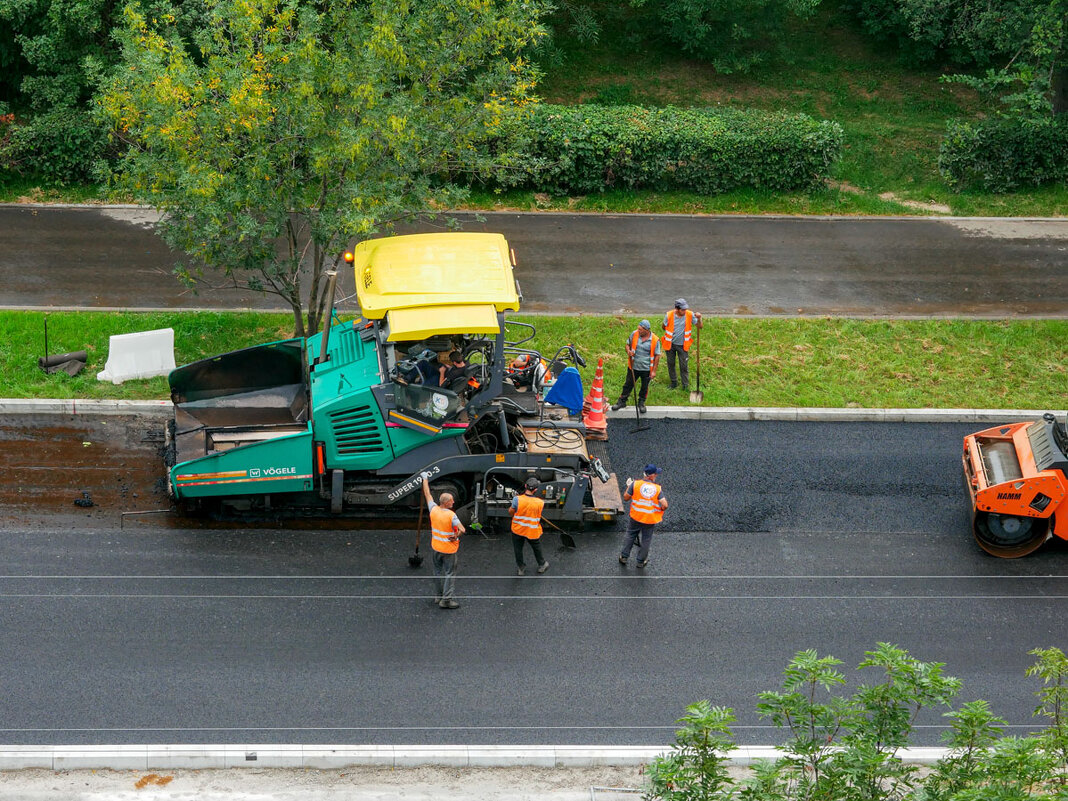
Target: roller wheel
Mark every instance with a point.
(1008, 536)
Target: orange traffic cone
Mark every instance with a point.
(594, 419)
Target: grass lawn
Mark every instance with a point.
(812, 363)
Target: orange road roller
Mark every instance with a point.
(1017, 477)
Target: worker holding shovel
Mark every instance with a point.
(445, 531)
(526, 526)
(679, 325)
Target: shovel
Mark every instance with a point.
(415, 560)
(566, 540)
(696, 395)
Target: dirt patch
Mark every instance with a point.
(937, 208)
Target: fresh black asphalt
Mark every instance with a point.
(780, 537)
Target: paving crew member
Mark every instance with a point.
(526, 526)
(643, 357)
(647, 505)
(678, 328)
(445, 531)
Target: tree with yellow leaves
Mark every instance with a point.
(288, 129)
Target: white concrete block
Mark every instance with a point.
(142, 354)
(347, 756)
(100, 757)
(579, 756)
(173, 757)
(23, 757)
(448, 756)
(501, 756)
(263, 756)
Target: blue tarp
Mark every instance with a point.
(567, 391)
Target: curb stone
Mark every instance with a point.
(174, 757)
(723, 413)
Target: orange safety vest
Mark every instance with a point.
(645, 502)
(634, 346)
(526, 522)
(443, 538)
(669, 331)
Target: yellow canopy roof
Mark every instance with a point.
(457, 271)
(426, 321)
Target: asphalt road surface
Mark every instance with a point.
(616, 264)
(780, 537)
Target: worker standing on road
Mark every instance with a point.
(643, 357)
(445, 531)
(678, 328)
(647, 505)
(526, 526)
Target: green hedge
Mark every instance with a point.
(585, 149)
(1002, 155)
(63, 146)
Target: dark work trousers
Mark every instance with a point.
(628, 385)
(684, 365)
(444, 574)
(636, 531)
(535, 545)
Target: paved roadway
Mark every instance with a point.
(633, 264)
(781, 536)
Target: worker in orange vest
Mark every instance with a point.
(643, 357)
(647, 505)
(678, 328)
(526, 526)
(445, 531)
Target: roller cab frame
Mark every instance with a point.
(345, 422)
(1016, 476)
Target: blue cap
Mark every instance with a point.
(652, 469)
(645, 324)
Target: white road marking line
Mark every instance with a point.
(467, 597)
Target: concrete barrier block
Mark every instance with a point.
(142, 354)
(263, 756)
(347, 756)
(448, 756)
(24, 757)
(501, 756)
(173, 757)
(580, 757)
(100, 757)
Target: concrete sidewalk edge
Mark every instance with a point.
(173, 757)
(761, 413)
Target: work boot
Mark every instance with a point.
(642, 564)
(621, 404)
(622, 560)
(543, 566)
(448, 603)
(641, 408)
(674, 386)
(520, 571)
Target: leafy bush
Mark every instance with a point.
(845, 747)
(1002, 155)
(589, 148)
(63, 146)
(732, 35)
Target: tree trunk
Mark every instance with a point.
(298, 318)
(1060, 90)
